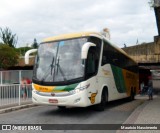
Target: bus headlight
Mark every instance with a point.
(77, 90)
(35, 91)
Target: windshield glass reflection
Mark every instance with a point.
(60, 61)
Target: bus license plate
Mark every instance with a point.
(53, 101)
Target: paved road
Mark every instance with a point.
(115, 113)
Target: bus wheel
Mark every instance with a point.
(61, 107)
(104, 98)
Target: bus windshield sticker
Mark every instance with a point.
(61, 43)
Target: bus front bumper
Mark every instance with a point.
(75, 100)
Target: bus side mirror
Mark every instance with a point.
(27, 55)
(85, 49)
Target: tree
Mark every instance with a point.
(7, 37)
(8, 56)
(35, 44)
(22, 50)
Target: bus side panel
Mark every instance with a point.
(131, 81)
(106, 78)
(92, 91)
(125, 80)
(119, 82)
(119, 79)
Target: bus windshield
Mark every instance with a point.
(60, 61)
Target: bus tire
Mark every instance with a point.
(104, 98)
(61, 107)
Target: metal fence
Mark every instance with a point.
(14, 94)
(11, 90)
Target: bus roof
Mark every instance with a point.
(72, 35)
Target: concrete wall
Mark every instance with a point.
(145, 52)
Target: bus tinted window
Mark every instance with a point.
(93, 57)
(114, 57)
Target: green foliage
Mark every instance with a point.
(7, 37)
(8, 56)
(22, 50)
(35, 44)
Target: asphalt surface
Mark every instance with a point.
(115, 113)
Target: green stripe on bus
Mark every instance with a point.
(66, 87)
(119, 79)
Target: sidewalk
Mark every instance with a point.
(147, 113)
(15, 106)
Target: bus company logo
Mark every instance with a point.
(93, 96)
(6, 127)
(52, 94)
(43, 88)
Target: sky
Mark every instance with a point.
(127, 20)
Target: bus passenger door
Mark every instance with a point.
(91, 73)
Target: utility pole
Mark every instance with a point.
(155, 4)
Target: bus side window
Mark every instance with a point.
(92, 63)
(105, 55)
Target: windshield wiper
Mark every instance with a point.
(59, 67)
(47, 72)
(52, 66)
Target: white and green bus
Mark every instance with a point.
(80, 70)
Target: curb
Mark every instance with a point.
(10, 109)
